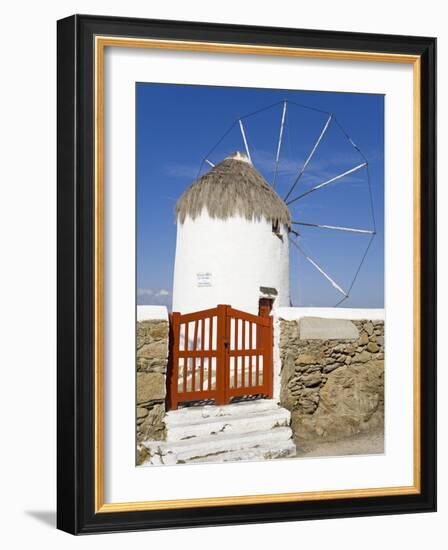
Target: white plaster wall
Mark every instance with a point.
(241, 256)
(277, 362)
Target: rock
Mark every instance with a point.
(152, 346)
(351, 402)
(368, 327)
(295, 392)
(142, 412)
(287, 366)
(142, 454)
(306, 359)
(294, 382)
(331, 368)
(308, 401)
(152, 354)
(364, 339)
(153, 426)
(150, 387)
(311, 380)
(348, 360)
(339, 347)
(350, 349)
(380, 340)
(373, 347)
(154, 327)
(302, 369)
(287, 377)
(362, 357)
(159, 330)
(366, 390)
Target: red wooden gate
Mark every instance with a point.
(219, 354)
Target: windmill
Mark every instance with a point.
(310, 155)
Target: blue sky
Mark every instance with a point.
(177, 126)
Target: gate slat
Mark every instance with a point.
(257, 375)
(243, 345)
(201, 373)
(210, 347)
(250, 356)
(235, 347)
(235, 327)
(235, 371)
(193, 361)
(185, 370)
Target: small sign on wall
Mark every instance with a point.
(204, 279)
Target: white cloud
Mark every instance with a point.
(154, 297)
(163, 292)
(144, 292)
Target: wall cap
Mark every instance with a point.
(152, 313)
(352, 314)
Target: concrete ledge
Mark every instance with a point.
(352, 314)
(151, 313)
(316, 328)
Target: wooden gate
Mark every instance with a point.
(217, 354)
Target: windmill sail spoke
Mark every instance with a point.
(279, 144)
(310, 156)
(245, 140)
(336, 227)
(209, 162)
(325, 183)
(333, 283)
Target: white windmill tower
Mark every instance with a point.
(232, 241)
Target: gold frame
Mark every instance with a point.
(101, 42)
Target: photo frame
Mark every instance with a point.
(83, 242)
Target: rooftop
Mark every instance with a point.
(234, 187)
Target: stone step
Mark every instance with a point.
(240, 422)
(188, 415)
(263, 452)
(172, 452)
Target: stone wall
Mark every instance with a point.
(333, 388)
(152, 358)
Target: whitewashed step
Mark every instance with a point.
(236, 424)
(168, 452)
(263, 452)
(188, 415)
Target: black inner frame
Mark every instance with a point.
(75, 172)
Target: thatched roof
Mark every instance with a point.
(233, 187)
